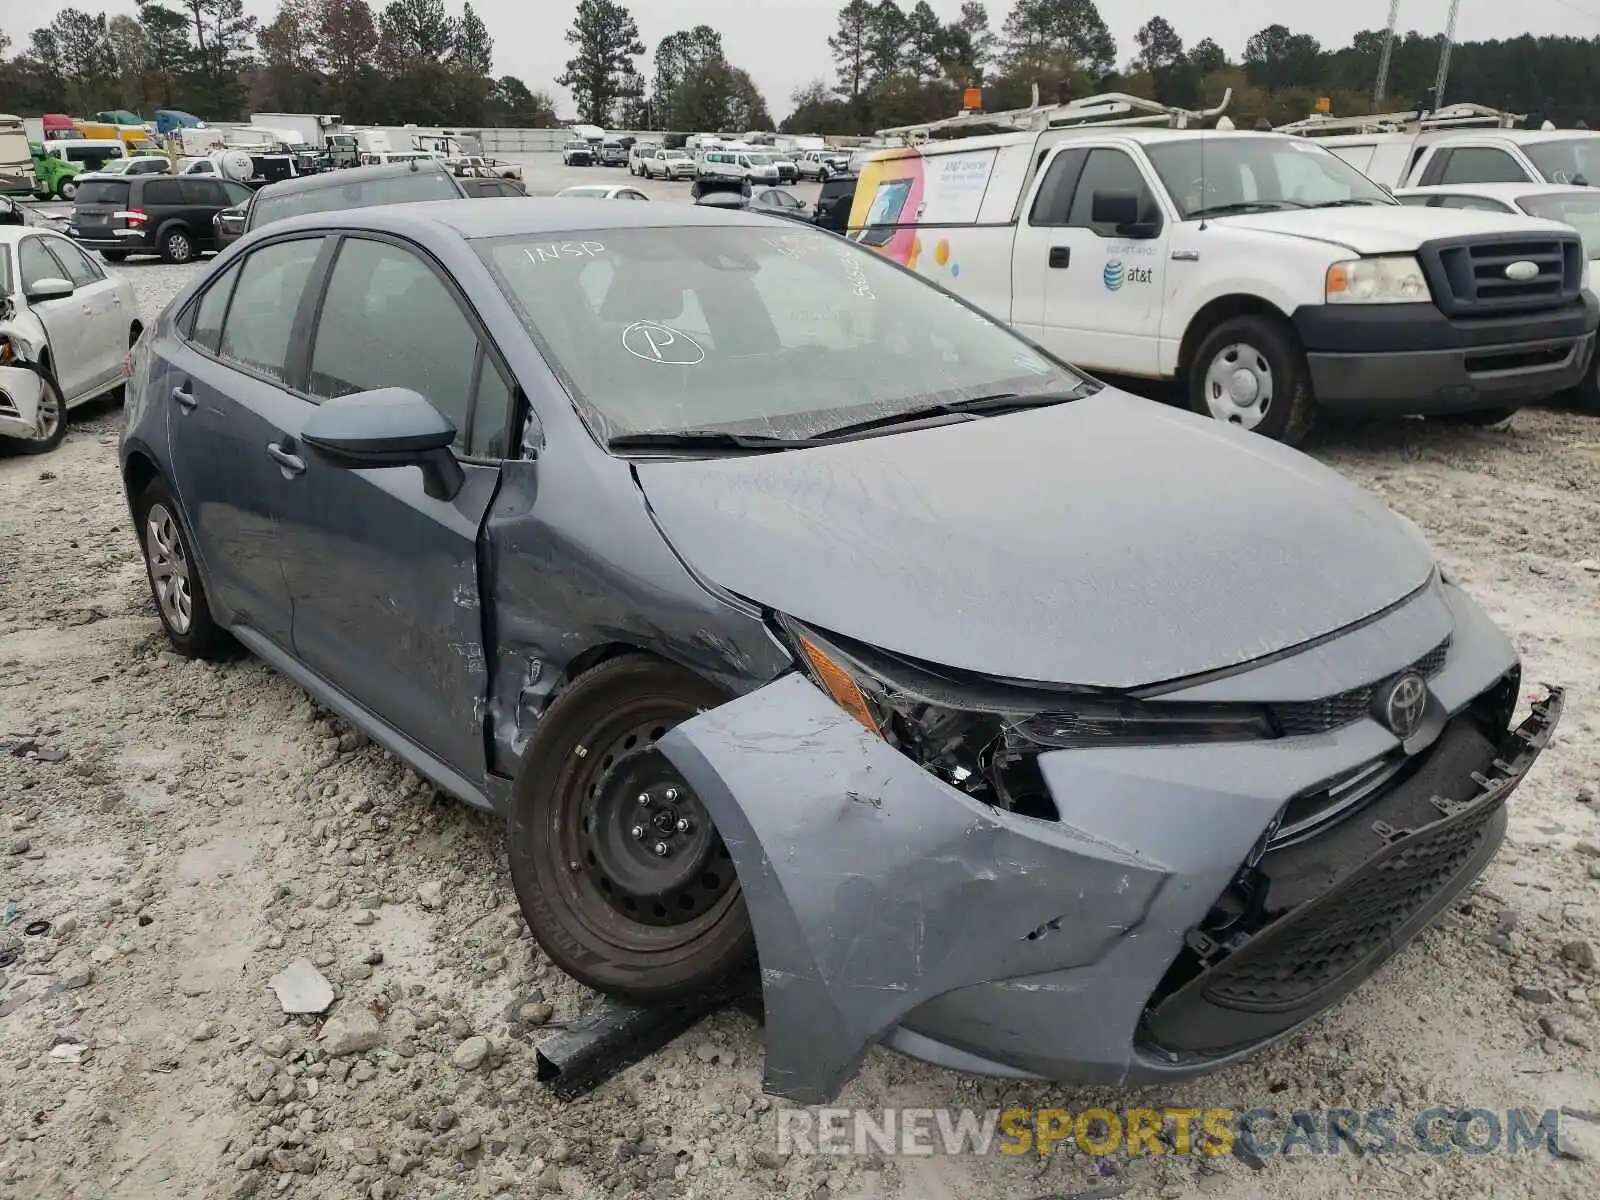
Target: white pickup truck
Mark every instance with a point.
(1459, 144)
(1260, 271)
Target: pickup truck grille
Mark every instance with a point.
(1469, 277)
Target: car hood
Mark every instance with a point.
(1108, 542)
(1386, 228)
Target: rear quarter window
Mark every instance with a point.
(102, 191)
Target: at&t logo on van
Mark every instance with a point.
(1116, 274)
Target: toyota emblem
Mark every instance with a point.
(1403, 704)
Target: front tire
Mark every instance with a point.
(1586, 396)
(67, 189)
(621, 875)
(50, 424)
(174, 577)
(1250, 372)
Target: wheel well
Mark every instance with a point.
(1223, 308)
(135, 328)
(171, 224)
(136, 476)
(587, 660)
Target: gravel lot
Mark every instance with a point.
(189, 830)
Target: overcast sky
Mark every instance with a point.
(783, 43)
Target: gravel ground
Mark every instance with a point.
(190, 830)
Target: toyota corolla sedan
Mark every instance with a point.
(939, 689)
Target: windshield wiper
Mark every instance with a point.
(1353, 202)
(1244, 206)
(978, 405)
(706, 439)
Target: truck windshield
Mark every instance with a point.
(1567, 160)
(1581, 210)
(662, 331)
(1254, 172)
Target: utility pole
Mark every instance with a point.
(1382, 89)
(1444, 54)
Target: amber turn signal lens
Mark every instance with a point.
(840, 685)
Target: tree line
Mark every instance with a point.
(418, 61)
(898, 66)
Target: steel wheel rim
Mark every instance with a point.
(1239, 385)
(592, 890)
(48, 419)
(169, 568)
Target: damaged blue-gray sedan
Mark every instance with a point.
(792, 611)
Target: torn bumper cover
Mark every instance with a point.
(891, 908)
(20, 390)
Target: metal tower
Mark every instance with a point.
(1379, 92)
(1444, 54)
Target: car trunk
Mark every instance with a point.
(101, 205)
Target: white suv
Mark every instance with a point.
(669, 164)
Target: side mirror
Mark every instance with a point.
(1116, 208)
(388, 427)
(49, 288)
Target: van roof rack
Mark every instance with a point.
(1451, 116)
(1108, 108)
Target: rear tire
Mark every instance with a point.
(177, 246)
(174, 575)
(67, 189)
(1250, 372)
(602, 899)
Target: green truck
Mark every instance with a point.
(56, 165)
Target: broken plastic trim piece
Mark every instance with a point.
(615, 1034)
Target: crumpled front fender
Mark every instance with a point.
(874, 887)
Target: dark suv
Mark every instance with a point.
(356, 187)
(834, 201)
(168, 215)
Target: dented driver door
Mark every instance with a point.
(383, 578)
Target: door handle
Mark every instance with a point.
(1060, 256)
(292, 464)
(184, 397)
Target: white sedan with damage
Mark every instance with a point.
(65, 331)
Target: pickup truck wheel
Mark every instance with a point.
(1249, 372)
(621, 875)
(67, 189)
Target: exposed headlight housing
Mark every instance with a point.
(1392, 279)
(983, 737)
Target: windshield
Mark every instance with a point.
(391, 189)
(1259, 172)
(677, 154)
(1581, 210)
(748, 330)
(1567, 160)
(116, 166)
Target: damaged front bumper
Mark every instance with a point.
(891, 908)
(20, 390)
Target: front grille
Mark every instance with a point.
(8, 406)
(1468, 277)
(1301, 718)
(1334, 935)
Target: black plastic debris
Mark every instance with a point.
(614, 1035)
(8, 955)
(36, 928)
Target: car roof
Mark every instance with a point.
(511, 216)
(312, 183)
(1496, 191)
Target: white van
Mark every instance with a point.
(737, 164)
(1261, 272)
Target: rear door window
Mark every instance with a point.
(206, 193)
(213, 306)
(260, 319)
(1481, 164)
